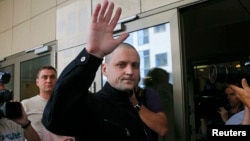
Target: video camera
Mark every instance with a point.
(11, 110)
(4, 77)
(228, 74)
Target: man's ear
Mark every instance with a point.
(104, 68)
(36, 81)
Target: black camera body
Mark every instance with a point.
(207, 106)
(11, 110)
(4, 77)
(228, 74)
(208, 102)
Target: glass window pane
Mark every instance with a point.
(28, 74)
(161, 59)
(130, 39)
(154, 49)
(156, 53)
(160, 28)
(143, 37)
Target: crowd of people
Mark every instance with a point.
(65, 109)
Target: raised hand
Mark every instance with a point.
(101, 41)
(243, 93)
(223, 113)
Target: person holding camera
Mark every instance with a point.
(34, 106)
(233, 107)
(225, 105)
(14, 125)
(243, 93)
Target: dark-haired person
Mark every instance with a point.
(233, 107)
(158, 80)
(34, 106)
(18, 129)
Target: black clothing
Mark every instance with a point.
(74, 111)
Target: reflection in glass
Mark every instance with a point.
(9, 69)
(160, 28)
(154, 47)
(28, 74)
(161, 59)
(143, 37)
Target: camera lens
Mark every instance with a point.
(11, 110)
(218, 74)
(227, 74)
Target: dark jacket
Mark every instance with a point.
(74, 111)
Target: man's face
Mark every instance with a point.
(231, 97)
(46, 80)
(122, 71)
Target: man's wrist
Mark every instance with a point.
(24, 126)
(138, 106)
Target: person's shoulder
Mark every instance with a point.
(149, 90)
(30, 99)
(151, 93)
(9, 123)
(236, 118)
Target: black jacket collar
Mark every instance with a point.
(117, 95)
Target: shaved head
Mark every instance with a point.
(122, 67)
(122, 45)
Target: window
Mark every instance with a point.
(130, 39)
(145, 62)
(161, 59)
(143, 37)
(160, 28)
(23, 68)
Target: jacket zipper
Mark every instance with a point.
(126, 129)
